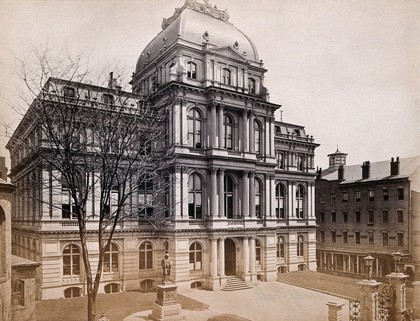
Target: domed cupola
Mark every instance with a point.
(195, 23)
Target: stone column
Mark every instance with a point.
(368, 298)
(245, 251)
(245, 194)
(252, 195)
(177, 122)
(222, 257)
(416, 303)
(213, 270)
(290, 203)
(252, 256)
(177, 192)
(245, 131)
(273, 196)
(335, 311)
(213, 127)
(221, 178)
(221, 127)
(397, 280)
(251, 133)
(213, 196)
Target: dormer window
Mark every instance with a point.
(191, 70)
(69, 92)
(251, 86)
(226, 76)
(107, 98)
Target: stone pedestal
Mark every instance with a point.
(368, 299)
(166, 306)
(335, 311)
(416, 303)
(397, 280)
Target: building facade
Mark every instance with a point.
(365, 209)
(241, 202)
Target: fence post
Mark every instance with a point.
(368, 298)
(335, 311)
(397, 280)
(416, 303)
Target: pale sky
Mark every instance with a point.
(347, 70)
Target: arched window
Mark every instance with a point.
(71, 260)
(191, 70)
(299, 201)
(300, 246)
(300, 163)
(195, 196)
(228, 182)
(194, 128)
(226, 76)
(228, 124)
(112, 288)
(145, 256)
(281, 247)
(111, 258)
(257, 252)
(147, 285)
(258, 196)
(195, 256)
(251, 86)
(280, 197)
(72, 292)
(258, 136)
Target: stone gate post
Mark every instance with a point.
(416, 303)
(335, 311)
(397, 280)
(368, 298)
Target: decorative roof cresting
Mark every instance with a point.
(204, 8)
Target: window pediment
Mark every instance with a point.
(228, 52)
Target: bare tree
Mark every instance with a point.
(99, 143)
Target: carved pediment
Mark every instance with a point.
(228, 51)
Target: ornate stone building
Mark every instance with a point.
(242, 195)
(369, 208)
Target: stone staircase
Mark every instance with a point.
(234, 283)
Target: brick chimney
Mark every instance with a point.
(395, 166)
(341, 173)
(365, 170)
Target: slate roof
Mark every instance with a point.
(378, 171)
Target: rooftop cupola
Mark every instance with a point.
(336, 159)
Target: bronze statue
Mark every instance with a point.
(166, 268)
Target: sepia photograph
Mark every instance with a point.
(209, 160)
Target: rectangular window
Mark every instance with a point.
(357, 216)
(370, 238)
(357, 237)
(400, 216)
(345, 237)
(333, 237)
(322, 233)
(385, 194)
(345, 197)
(333, 217)
(333, 198)
(358, 196)
(371, 195)
(345, 217)
(400, 239)
(322, 214)
(371, 217)
(384, 238)
(385, 217)
(18, 292)
(400, 192)
(322, 198)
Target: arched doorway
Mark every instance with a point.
(230, 257)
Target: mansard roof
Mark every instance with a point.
(197, 23)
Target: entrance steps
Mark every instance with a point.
(234, 283)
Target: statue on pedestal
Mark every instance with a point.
(166, 268)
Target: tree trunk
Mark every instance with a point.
(91, 306)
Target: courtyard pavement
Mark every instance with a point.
(272, 301)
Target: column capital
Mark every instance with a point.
(213, 170)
